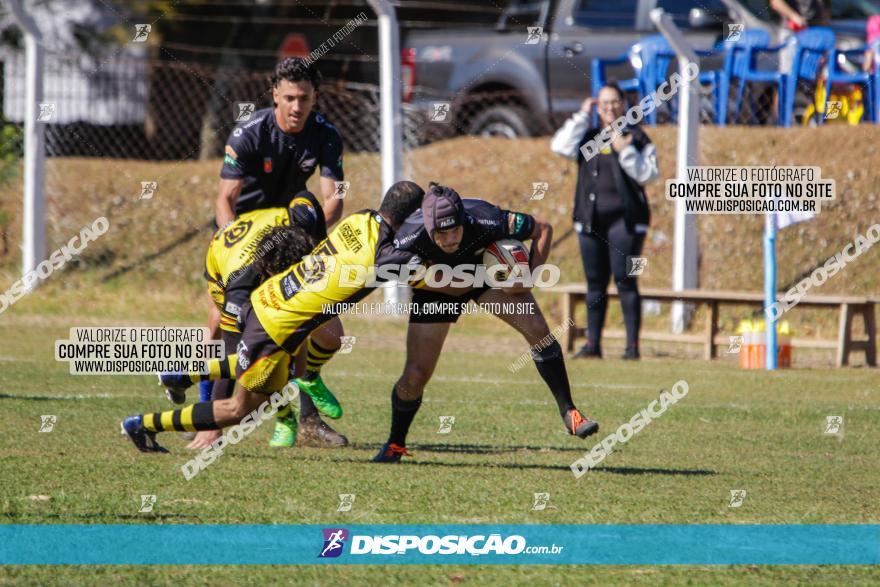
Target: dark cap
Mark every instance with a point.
(442, 209)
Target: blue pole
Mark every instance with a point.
(770, 287)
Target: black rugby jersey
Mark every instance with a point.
(484, 224)
(275, 165)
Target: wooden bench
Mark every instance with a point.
(849, 307)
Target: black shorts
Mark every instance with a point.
(430, 307)
(263, 366)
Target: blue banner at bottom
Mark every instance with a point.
(857, 544)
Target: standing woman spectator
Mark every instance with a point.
(611, 213)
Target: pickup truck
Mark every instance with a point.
(534, 69)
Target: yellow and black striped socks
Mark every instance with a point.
(316, 357)
(217, 369)
(189, 419)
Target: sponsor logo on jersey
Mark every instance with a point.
(350, 238)
(243, 361)
(253, 122)
(236, 232)
(289, 286)
(402, 241)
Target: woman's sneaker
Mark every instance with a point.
(587, 352)
(631, 354)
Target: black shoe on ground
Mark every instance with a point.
(313, 431)
(143, 439)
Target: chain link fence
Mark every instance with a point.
(170, 110)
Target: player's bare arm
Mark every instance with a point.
(332, 204)
(542, 238)
(230, 190)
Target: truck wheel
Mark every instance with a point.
(499, 121)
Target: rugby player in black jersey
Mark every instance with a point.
(267, 161)
(451, 231)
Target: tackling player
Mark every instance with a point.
(232, 268)
(453, 231)
(285, 309)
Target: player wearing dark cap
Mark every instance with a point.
(451, 231)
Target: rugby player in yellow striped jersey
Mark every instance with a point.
(231, 264)
(285, 309)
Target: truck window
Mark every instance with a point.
(854, 9)
(679, 10)
(620, 14)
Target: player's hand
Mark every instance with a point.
(621, 142)
(798, 20)
(588, 105)
(203, 439)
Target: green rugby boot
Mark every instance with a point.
(322, 397)
(285, 430)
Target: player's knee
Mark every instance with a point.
(413, 381)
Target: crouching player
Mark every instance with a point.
(283, 311)
(452, 231)
(239, 258)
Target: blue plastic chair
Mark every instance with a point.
(650, 57)
(810, 45)
(710, 77)
(868, 80)
(735, 66)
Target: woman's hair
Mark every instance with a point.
(280, 248)
(616, 88)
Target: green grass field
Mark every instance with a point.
(735, 430)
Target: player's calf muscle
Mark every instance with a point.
(329, 335)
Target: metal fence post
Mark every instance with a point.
(392, 133)
(34, 225)
(685, 243)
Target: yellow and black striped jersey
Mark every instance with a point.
(339, 270)
(228, 268)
